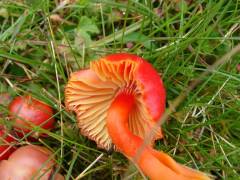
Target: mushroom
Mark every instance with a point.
(6, 143)
(27, 112)
(29, 162)
(117, 101)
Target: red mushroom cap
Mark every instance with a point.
(28, 112)
(6, 146)
(28, 162)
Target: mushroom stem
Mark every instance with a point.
(156, 165)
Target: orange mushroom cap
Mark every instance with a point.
(90, 93)
(119, 99)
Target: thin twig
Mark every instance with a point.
(85, 170)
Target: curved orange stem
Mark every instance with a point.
(156, 165)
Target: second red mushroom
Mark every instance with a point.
(27, 112)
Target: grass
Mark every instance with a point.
(42, 42)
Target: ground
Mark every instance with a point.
(43, 41)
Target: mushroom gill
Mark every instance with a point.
(90, 93)
(117, 101)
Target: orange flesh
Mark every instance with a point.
(156, 165)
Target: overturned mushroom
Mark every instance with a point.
(118, 100)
